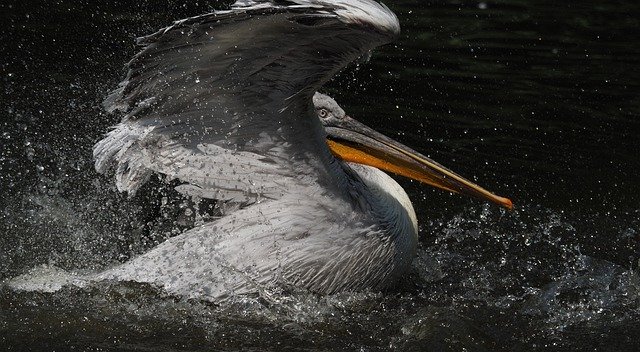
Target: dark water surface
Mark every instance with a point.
(538, 101)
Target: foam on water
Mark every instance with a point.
(44, 278)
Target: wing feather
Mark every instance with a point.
(223, 101)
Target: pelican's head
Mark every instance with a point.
(353, 141)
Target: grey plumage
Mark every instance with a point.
(204, 93)
(224, 103)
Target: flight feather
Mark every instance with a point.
(217, 90)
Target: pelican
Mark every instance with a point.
(226, 103)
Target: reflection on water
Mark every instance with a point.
(536, 101)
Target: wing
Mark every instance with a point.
(223, 101)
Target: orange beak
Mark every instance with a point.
(354, 142)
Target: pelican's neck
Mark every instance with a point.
(386, 199)
(389, 205)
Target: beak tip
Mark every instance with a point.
(506, 202)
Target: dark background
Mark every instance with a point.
(536, 100)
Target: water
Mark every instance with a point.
(537, 101)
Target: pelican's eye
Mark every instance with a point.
(323, 113)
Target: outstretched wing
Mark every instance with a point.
(223, 101)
